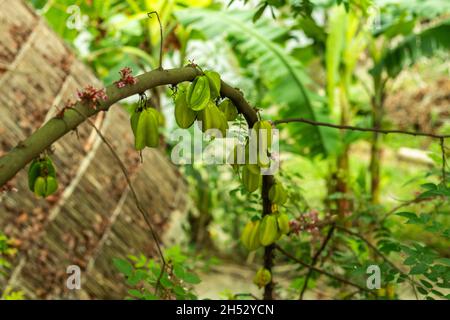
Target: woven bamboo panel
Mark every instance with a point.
(93, 217)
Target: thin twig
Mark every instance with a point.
(330, 275)
(353, 128)
(236, 295)
(380, 254)
(315, 258)
(417, 199)
(149, 14)
(133, 192)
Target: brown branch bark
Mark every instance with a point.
(55, 128)
(269, 251)
(353, 128)
(315, 258)
(326, 273)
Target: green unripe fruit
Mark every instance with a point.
(147, 133)
(277, 194)
(251, 181)
(250, 235)
(263, 130)
(184, 116)
(45, 186)
(52, 185)
(283, 223)
(214, 83)
(48, 168)
(229, 109)
(40, 168)
(134, 121)
(161, 119)
(268, 230)
(33, 173)
(262, 278)
(198, 93)
(40, 186)
(253, 167)
(212, 118)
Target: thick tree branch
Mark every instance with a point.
(269, 251)
(57, 127)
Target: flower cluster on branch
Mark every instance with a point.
(92, 96)
(126, 78)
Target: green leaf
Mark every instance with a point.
(135, 293)
(410, 261)
(426, 284)
(178, 271)
(334, 46)
(123, 266)
(438, 293)
(136, 277)
(422, 290)
(150, 296)
(191, 278)
(420, 8)
(178, 290)
(419, 269)
(165, 282)
(259, 12)
(409, 215)
(285, 75)
(399, 27)
(423, 44)
(429, 186)
(413, 218)
(445, 261)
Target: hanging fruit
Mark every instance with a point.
(184, 116)
(229, 109)
(212, 118)
(214, 83)
(262, 277)
(250, 235)
(198, 93)
(251, 180)
(283, 223)
(146, 132)
(42, 177)
(268, 230)
(277, 194)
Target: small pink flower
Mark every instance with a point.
(92, 96)
(295, 226)
(126, 77)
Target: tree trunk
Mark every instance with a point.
(342, 175)
(375, 155)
